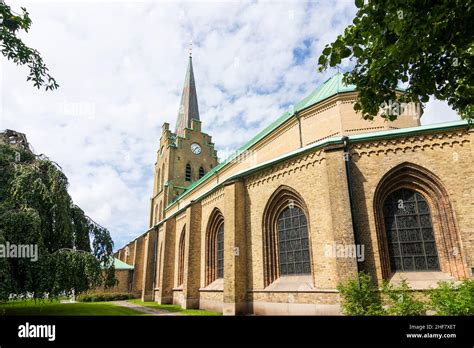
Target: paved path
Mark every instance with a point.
(144, 309)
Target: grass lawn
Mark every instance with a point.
(174, 308)
(54, 308)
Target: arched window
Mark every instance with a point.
(215, 247)
(285, 236)
(201, 172)
(161, 211)
(163, 176)
(181, 254)
(416, 226)
(187, 174)
(409, 229)
(293, 246)
(220, 252)
(158, 181)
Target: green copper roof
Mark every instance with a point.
(329, 88)
(120, 265)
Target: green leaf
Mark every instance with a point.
(345, 52)
(359, 3)
(322, 60)
(357, 51)
(335, 59)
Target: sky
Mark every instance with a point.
(121, 68)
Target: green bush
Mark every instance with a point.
(401, 300)
(361, 297)
(104, 296)
(451, 299)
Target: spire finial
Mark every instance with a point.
(190, 49)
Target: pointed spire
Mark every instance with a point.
(188, 108)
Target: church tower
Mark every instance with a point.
(185, 155)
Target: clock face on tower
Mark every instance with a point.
(196, 149)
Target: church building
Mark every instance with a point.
(317, 196)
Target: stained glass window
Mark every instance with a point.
(220, 252)
(293, 246)
(181, 258)
(410, 234)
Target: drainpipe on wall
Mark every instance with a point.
(347, 162)
(299, 126)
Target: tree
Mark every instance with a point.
(427, 44)
(360, 296)
(14, 49)
(36, 209)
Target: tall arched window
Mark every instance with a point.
(181, 250)
(215, 247)
(187, 174)
(220, 252)
(201, 172)
(286, 243)
(416, 226)
(163, 176)
(158, 181)
(161, 211)
(293, 246)
(409, 229)
(157, 213)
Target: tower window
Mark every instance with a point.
(162, 176)
(158, 181)
(201, 172)
(187, 174)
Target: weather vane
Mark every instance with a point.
(190, 48)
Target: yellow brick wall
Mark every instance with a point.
(307, 175)
(448, 155)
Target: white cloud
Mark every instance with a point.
(437, 111)
(121, 65)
